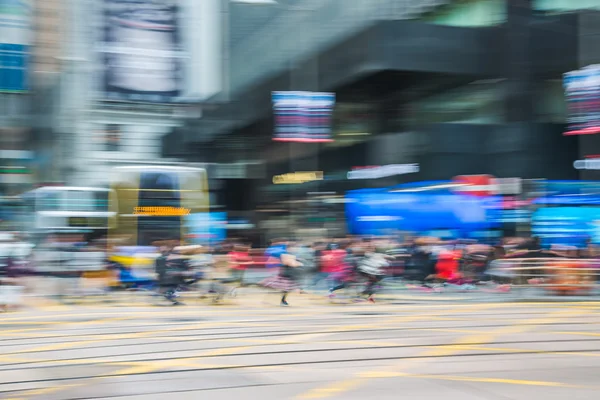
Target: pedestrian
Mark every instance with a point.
(167, 278)
(239, 260)
(332, 262)
(372, 268)
(346, 271)
(286, 280)
(305, 254)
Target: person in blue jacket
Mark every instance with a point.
(274, 252)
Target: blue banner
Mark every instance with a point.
(206, 228)
(381, 212)
(303, 116)
(15, 16)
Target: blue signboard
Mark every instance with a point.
(15, 16)
(380, 212)
(206, 228)
(569, 226)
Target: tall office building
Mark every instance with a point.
(126, 84)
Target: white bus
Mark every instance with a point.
(64, 209)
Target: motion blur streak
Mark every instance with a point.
(277, 199)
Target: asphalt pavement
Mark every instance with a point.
(428, 346)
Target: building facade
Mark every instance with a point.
(127, 81)
(469, 87)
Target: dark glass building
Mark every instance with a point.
(457, 87)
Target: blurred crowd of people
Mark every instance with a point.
(360, 266)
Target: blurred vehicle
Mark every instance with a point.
(66, 209)
(12, 213)
(152, 203)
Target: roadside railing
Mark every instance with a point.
(559, 275)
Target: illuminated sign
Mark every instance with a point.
(592, 164)
(298, 177)
(383, 171)
(582, 94)
(161, 211)
(476, 185)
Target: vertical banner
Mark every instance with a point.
(582, 91)
(15, 36)
(142, 50)
(303, 116)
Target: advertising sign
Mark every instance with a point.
(383, 171)
(567, 226)
(476, 185)
(15, 31)
(378, 212)
(303, 116)
(206, 228)
(142, 50)
(582, 90)
(298, 177)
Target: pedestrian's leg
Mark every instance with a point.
(370, 288)
(337, 286)
(284, 299)
(317, 278)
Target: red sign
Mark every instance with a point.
(475, 185)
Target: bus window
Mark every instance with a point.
(158, 190)
(50, 201)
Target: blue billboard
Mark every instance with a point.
(15, 17)
(206, 228)
(567, 226)
(382, 212)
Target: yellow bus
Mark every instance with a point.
(151, 202)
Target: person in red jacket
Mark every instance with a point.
(447, 266)
(239, 260)
(332, 262)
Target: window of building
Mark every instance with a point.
(470, 13)
(480, 102)
(551, 104)
(109, 137)
(352, 123)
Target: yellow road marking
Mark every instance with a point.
(332, 390)
(383, 375)
(47, 390)
(364, 343)
(52, 347)
(62, 324)
(452, 330)
(457, 346)
(578, 333)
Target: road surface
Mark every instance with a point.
(443, 349)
